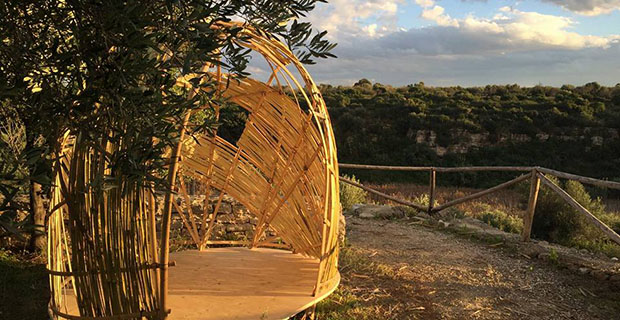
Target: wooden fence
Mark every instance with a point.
(536, 175)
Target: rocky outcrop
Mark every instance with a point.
(462, 141)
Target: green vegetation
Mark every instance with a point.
(557, 222)
(500, 125)
(110, 72)
(350, 195)
(502, 221)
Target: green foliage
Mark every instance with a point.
(107, 71)
(103, 70)
(380, 124)
(553, 256)
(350, 195)
(502, 221)
(424, 199)
(556, 221)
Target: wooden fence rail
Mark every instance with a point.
(535, 174)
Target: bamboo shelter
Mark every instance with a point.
(109, 251)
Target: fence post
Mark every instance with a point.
(528, 218)
(431, 194)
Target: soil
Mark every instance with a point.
(442, 275)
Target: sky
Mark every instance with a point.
(470, 42)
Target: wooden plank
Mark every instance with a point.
(587, 180)
(387, 168)
(577, 206)
(484, 168)
(381, 194)
(528, 218)
(431, 192)
(235, 283)
(438, 169)
(481, 193)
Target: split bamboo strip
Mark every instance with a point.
(283, 169)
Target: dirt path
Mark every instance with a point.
(439, 275)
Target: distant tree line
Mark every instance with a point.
(377, 124)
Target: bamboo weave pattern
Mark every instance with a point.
(283, 169)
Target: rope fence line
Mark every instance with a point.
(536, 175)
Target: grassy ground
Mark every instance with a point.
(24, 287)
(370, 290)
(403, 270)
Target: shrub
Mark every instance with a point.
(350, 195)
(424, 199)
(556, 221)
(502, 221)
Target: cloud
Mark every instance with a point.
(346, 18)
(436, 13)
(513, 28)
(588, 7)
(401, 67)
(512, 46)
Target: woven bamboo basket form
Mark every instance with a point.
(109, 251)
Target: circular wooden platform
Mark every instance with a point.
(241, 284)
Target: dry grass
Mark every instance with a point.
(506, 200)
(372, 290)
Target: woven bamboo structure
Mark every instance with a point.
(106, 259)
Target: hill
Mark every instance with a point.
(574, 129)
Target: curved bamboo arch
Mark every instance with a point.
(283, 169)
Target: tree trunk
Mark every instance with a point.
(37, 218)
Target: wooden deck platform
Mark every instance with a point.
(241, 284)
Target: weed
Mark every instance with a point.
(350, 195)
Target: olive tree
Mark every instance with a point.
(101, 68)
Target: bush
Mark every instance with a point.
(556, 221)
(424, 199)
(350, 195)
(502, 221)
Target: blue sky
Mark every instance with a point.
(471, 42)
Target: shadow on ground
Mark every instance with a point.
(24, 289)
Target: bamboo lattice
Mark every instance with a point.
(103, 246)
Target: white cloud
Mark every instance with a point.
(526, 29)
(346, 18)
(550, 67)
(512, 46)
(371, 29)
(436, 13)
(425, 3)
(588, 7)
